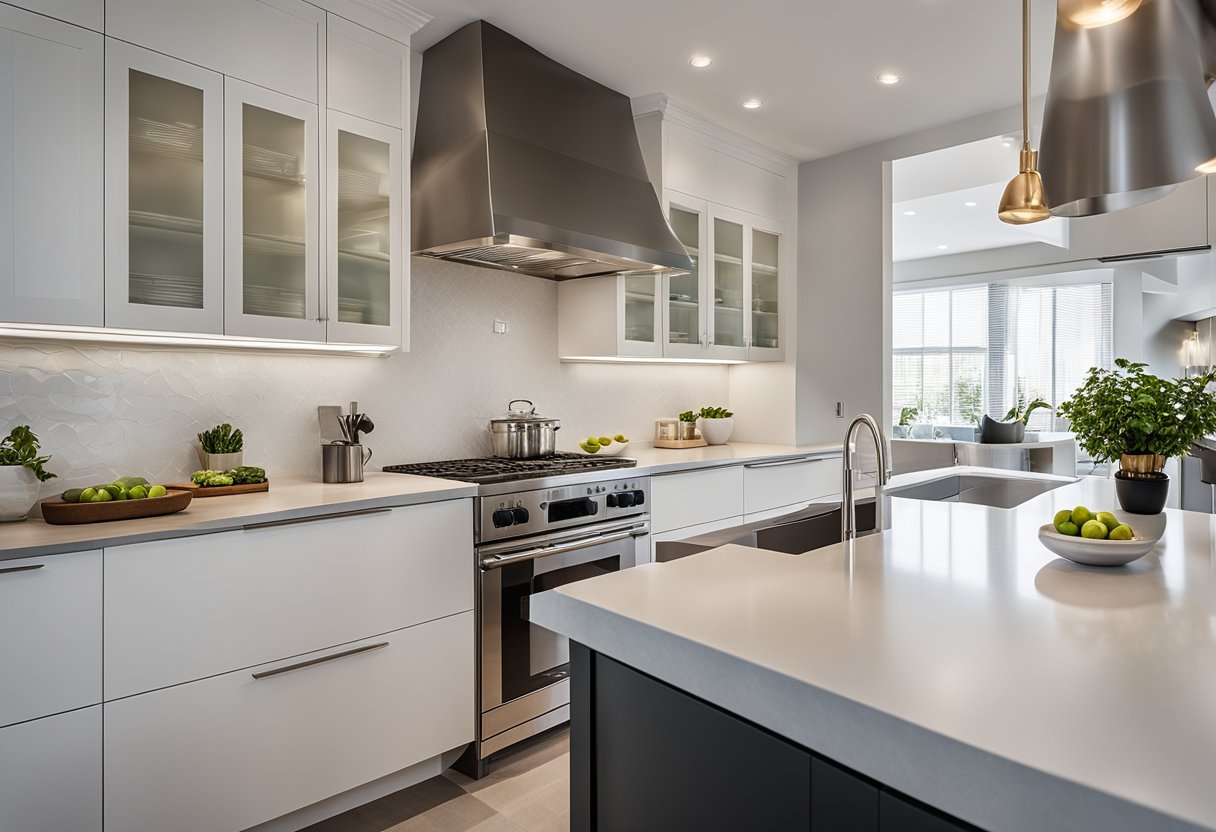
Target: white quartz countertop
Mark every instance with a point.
(653, 460)
(287, 499)
(952, 658)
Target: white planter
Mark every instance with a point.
(221, 462)
(18, 492)
(716, 431)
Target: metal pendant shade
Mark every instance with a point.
(1023, 201)
(1127, 115)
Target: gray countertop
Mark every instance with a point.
(953, 658)
(286, 500)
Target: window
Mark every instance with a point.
(959, 353)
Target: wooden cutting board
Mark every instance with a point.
(221, 490)
(58, 513)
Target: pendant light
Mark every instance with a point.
(1023, 201)
(1127, 116)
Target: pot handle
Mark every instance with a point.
(531, 407)
(368, 458)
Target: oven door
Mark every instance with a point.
(519, 658)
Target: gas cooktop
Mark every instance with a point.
(494, 469)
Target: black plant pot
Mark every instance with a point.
(1145, 494)
(993, 432)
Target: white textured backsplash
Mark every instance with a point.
(105, 412)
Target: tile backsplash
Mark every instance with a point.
(102, 412)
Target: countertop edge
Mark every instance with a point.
(975, 785)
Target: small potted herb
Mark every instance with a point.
(715, 424)
(1142, 421)
(1013, 429)
(221, 448)
(907, 417)
(21, 473)
(688, 425)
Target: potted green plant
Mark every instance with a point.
(221, 448)
(715, 424)
(21, 473)
(1013, 428)
(688, 425)
(907, 416)
(1141, 420)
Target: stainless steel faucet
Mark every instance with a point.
(848, 515)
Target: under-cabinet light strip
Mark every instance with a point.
(134, 337)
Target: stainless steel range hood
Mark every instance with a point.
(523, 164)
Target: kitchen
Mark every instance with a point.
(173, 715)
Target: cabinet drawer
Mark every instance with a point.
(183, 609)
(767, 485)
(232, 751)
(694, 497)
(50, 773)
(50, 635)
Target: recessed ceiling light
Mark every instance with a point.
(971, 204)
(942, 248)
(909, 213)
(701, 61)
(753, 104)
(889, 79)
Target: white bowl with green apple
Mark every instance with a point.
(604, 445)
(1102, 538)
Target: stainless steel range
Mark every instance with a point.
(539, 524)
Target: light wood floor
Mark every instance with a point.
(528, 791)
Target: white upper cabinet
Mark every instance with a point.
(366, 74)
(51, 171)
(271, 215)
(87, 13)
(617, 315)
(275, 44)
(164, 193)
(684, 333)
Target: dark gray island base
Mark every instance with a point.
(647, 757)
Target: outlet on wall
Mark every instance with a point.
(839, 410)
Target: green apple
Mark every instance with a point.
(157, 491)
(622, 438)
(605, 441)
(1062, 516)
(1107, 519)
(1081, 515)
(137, 492)
(101, 496)
(1093, 530)
(1069, 528)
(1122, 532)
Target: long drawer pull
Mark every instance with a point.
(266, 674)
(295, 521)
(782, 462)
(31, 568)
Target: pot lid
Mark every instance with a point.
(520, 410)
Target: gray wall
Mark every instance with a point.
(844, 274)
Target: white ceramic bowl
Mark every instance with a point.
(612, 450)
(716, 431)
(18, 492)
(1148, 529)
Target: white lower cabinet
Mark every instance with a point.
(226, 753)
(50, 774)
(50, 636)
(691, 498)
(787, 482)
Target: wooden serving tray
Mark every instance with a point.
(221, 490)
(58, 513)
(680, 443)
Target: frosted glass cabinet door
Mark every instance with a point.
(364, 227)
(164, 193)
(641, 317)
(728, 282)
(764, 340)
(272, 223)
(685, 328)
(51, 171)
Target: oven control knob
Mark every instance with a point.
(520, 515)
(502, 517)
(612, 501)
(626, 499)
(639, 498)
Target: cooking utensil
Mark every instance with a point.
(523, 433)
(343, 462)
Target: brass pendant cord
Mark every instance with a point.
(1025, 76)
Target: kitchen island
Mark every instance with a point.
(951, 662)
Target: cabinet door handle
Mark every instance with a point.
(7, 569)
(367, 648)
(295, 521)
(781, 462)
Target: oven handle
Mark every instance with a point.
(496, 561)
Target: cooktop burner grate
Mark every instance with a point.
(494, 469)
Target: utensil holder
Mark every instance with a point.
(343, 462)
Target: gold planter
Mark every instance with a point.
(1141, 465)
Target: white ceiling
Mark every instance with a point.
(812, 62)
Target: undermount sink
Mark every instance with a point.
(980, 489)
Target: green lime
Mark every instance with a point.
(622, 438)
(605, 441)
(1107, 519)
(157, 491)
(102, 496)
(87, 495)
(137, 492)
(1069, 528)
(1093, 530)
(1064, 516)
(1081, 515)
(1122, 532)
